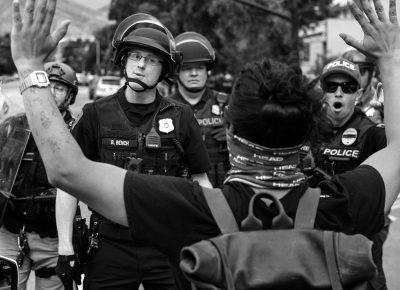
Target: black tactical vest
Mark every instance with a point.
(152, 148)
(345, 151)
(33, 204)
(209, 117)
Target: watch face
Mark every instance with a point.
(41, 77)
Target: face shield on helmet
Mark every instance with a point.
(145, 31)
(195, 48)
(64, 74)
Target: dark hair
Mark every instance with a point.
(272, 105)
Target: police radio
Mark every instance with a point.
(153, 140)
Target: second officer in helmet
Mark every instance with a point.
(139, 130)
(208, 105)
(28, 232)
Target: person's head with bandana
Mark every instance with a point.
(271, 114)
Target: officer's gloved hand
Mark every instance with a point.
(219, 134)
(68, 271)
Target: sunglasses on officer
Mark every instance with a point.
(347, 87)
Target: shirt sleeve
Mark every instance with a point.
(167, 212)
(195, 150)
(376, 138)
(85, 132)
(353, 202)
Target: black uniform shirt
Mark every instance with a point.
(365, 138)
(86, 130)
(351, 202)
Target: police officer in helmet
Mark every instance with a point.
(138, 130)
(29, 233)
(208, 105)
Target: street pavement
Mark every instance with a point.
(391, 250)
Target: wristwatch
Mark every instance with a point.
(36, 78)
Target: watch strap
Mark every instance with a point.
(26, 83)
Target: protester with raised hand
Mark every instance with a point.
(268, 100)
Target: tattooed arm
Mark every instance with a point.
(382, 40)
(66, 166)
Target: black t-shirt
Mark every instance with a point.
(86, 130)
(171, 213)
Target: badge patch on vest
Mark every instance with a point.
(341, 153)
(215, 110)
(165, 125)
(349, 136)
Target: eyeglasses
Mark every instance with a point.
(150, 59)
(347, 87)
(58, 89)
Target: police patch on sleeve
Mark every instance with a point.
(215, 110)
(165, 125)
(349, 136)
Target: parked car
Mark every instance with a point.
(82, 79)
(104, 86)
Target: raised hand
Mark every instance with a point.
(31, 39)
(381, 34)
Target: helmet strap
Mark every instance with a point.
(65, 105)
(139, 82)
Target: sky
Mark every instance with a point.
(95, 4)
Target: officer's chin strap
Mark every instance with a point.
(191, 90)
(139, 82)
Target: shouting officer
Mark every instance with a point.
(29, 232)
(138, 130)
(356, 137)
(208, 105)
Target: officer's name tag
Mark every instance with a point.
(118, 142)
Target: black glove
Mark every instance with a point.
(68, 273)
(219, 134)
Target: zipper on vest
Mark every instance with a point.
(141, 138)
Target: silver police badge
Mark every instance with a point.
(349, 136)
(165, 125)
(215, 110)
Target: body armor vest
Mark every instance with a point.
(210, 117)
(345, 151)
(33, 198)
(152, 148)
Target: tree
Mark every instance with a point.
(239, 33)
